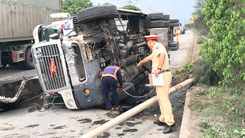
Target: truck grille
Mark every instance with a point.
(51, 68)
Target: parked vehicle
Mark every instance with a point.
(17, 22)
(72, 65)
(17, 19)
(182, 29)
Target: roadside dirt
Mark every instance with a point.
(194, 131)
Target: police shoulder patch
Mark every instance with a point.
(157, 47)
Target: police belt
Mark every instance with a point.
(165, 71)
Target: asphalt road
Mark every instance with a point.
(61, 122)
(14, 73)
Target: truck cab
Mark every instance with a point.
(71, 62)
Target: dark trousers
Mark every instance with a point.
(109, 82)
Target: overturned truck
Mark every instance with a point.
(71, 59)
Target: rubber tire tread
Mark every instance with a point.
(159, 24)
(166, 24)
(173, 44)
(174, 20)
(156, 16)
(174, 48)
(97, 12)
(27, 63)
(174, 25)
(166, 17)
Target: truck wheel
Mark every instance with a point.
(166, 24)
(156, 16)
(4, 64)
(76, 24)
(97, 12)
(174, 20)
(165, 17)
(159, 24)
(28, 63)
(173, 44)
(174, 48)
(174, 25)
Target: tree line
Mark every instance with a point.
(74, 6)
(223, 22)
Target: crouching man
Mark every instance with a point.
(109, 78)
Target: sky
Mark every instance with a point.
(178, 9)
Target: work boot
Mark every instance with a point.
(112, 109)
(117, 108)
(168, 129)
(158, 122)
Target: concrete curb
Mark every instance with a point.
(184, 133)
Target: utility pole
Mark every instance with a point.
(129, 1)
(150, 8)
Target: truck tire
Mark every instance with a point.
(174, 20)
(173, 44)
(28, 63)
(166, 24)
(159, 24)
(174, 25)
(156, 16)
(166, 17)
(4, 64)
(76, 25)
(97, 12)
(174, 48)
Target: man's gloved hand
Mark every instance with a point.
(122, 86)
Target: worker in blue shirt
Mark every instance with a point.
(110, 77)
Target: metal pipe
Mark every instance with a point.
(141, 44)
(132, 112)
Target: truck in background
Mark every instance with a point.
(17, 20)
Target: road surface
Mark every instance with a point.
(14, 73)
(63, 123)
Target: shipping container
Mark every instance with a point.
(18, 18)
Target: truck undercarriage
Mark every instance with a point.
(72, 65)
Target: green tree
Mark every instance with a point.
(107, 3)
(200, 24)
(74, 6)
(131, 7)
(226, 52)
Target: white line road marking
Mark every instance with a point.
(5, 78)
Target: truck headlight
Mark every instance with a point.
(70, 103)
(72, 66)
(68, 95)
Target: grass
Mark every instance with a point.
(202, 92)
(227, 113)
(195, 31)
(198, 106)
(201, 40)
(185, 69)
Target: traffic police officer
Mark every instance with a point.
(178, 34)
(160, 65)
(109, 78)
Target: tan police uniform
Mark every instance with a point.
(163, 91)
(178, 35)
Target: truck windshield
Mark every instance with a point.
(47, 32)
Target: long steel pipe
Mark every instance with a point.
(121, 118)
